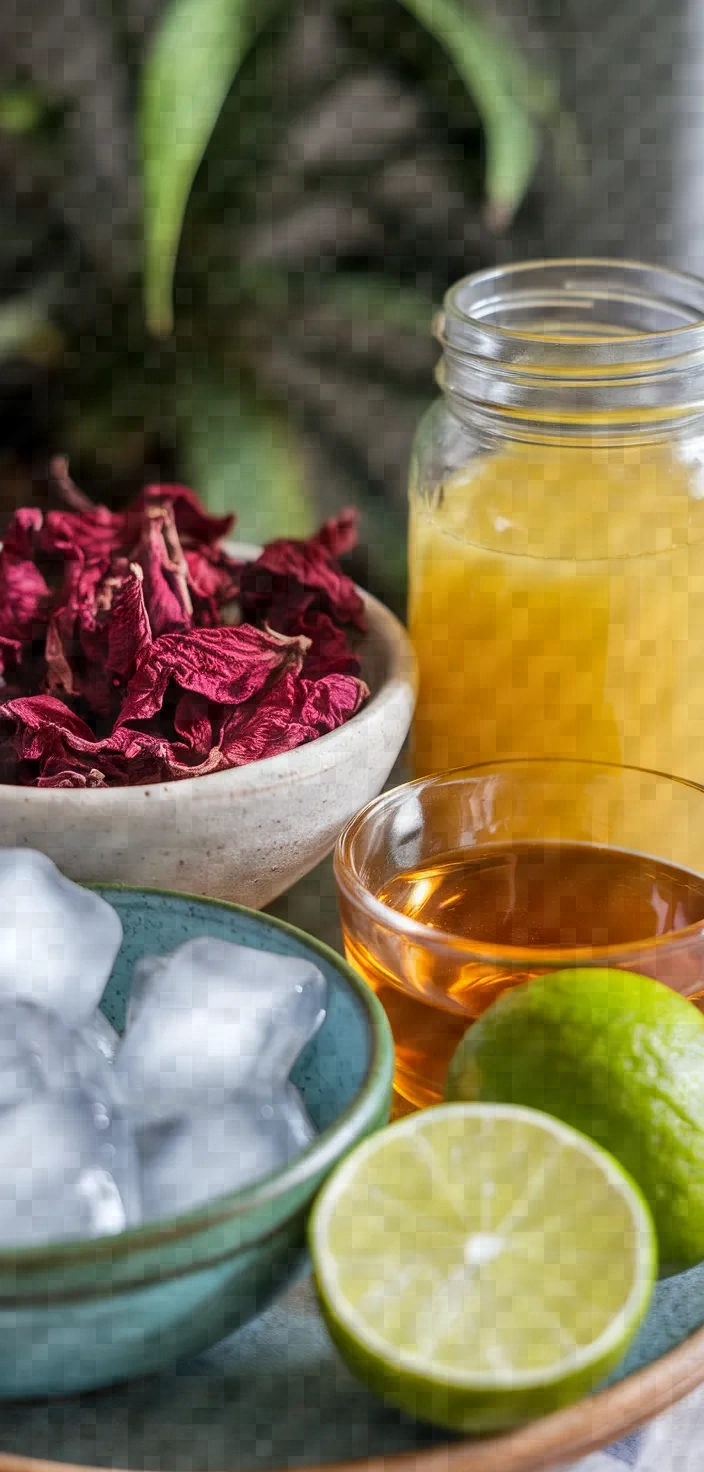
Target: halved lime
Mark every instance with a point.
(481, 1264)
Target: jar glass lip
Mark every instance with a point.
(572, 311)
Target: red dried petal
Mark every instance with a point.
(332, 701)
(176, 770)
(10, 655)
(72, 778)
(290, 578)
(339, 534)
(24, 595)
(24, 598)
(21, 535)
(225, 665)
(144, 756)
(214, 581)
(59, 643)
(59, 674)
(96, 596)
(98, 533)
(72, 624)
(198, 723)
(45, 731)
(42, 721)
(166, 595)
(100, 694)
(192, 520)
(129, 632)
(293, 712)
(86, 599)
(329, 652)
(77, 645)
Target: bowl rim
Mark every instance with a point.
(319, 1157)
(400, 682)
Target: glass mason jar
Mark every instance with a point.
(557, 520)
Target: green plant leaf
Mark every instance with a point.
(26, 329)
(350, 294)
(21, 109)
(377, 300)
(188, 73)
(242, 455)
(509, 98)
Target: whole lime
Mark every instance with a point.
(619, 1057)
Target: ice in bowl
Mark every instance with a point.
(97, 1133)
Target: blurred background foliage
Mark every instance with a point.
(224, 226)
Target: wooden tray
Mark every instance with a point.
(276, 1395)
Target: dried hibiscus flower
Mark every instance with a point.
(291, 578)
(227, 666)
(134, 648)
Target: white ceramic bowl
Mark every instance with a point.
(246, 834)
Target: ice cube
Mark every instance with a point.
(213, 1019)
(20, 1072)
(39, 1054)
(101, 1033)
(144, 977)
(67, 1169)
(58, 942)
(190, 1161)
(67, 1162)
(300, 1125)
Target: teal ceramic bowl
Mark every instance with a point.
(80, 1315)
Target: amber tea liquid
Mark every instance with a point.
(529, 896)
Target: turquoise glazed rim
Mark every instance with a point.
(206, 1233)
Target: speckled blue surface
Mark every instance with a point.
(676, 1312)
(273, 1394)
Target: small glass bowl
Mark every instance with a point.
(433, 984)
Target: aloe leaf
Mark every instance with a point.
(508, 98)
(243, 455)
(188, 73)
